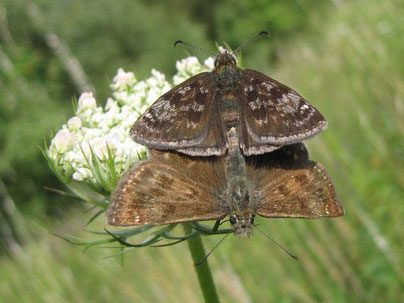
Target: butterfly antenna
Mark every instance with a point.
(190, 45)
(273, 240)
(249, 40)
(208, 254)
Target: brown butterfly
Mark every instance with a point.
(194, 117)
(171, 187)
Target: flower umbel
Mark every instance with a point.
(98, 133)
(98, 137)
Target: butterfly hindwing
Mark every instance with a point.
(164, 190)
(288, 184)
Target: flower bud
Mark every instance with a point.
(74, 123)
(86, 101)
(63, 140)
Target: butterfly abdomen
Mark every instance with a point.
(230, 112)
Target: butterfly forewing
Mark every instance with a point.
(274, 114)
(184, 117)
(194, 117)
(165, 190)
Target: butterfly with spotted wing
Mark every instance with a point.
(195, 116)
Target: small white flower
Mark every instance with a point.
(180, 65)
(114, 138)
(189, 67)
(210, 63)
(185, 65)
(153, 95)
(77, 176)
(121, 96)
(82, 174)
(159, 76)
(123, 79)
(152, 82)
(86, 101)
(74, 156)
(111, 104)
(90, 133)
(191, 61)
(74, 123)
(63, 140)
(99, 146)
(223, 50)
(97, 118)
(141, 86)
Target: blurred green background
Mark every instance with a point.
(345, 57)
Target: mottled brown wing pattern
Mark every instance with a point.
(208, 172)
(274, 114)
(181, 118)
(166, 190)
(289, 185)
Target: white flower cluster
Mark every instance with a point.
(100, 132)
(190, 66)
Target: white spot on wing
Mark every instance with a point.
(267, 85)
(253, 105)
(197, 107)
(183, 90)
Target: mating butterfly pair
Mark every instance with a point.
(223, 143)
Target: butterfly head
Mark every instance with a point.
(242, 224)
(225, 58)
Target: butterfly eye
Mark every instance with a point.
(233, 220)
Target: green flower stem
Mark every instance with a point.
(203, 271)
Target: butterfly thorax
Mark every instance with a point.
(227, 74)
